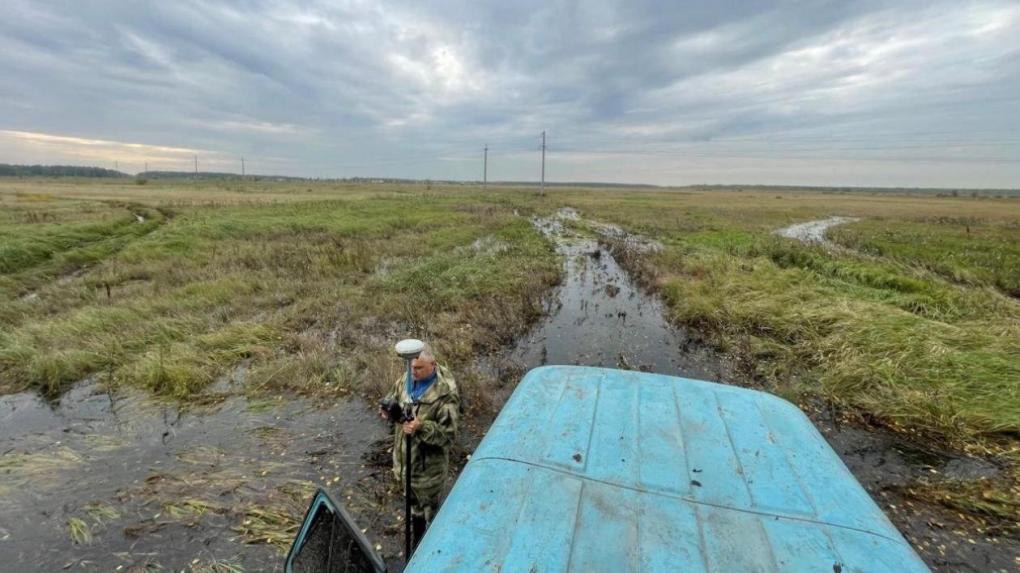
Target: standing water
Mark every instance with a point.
(600, 317)
(117, 481)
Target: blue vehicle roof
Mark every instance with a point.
(592, 469)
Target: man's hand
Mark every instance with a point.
(411, 427)
(383, 414)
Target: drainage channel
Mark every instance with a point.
(599, 316)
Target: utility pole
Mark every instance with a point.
(196, 167)
(242, 167)
(485, 167)
(543, 164)
(146, 166)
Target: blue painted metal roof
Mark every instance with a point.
(590, 469)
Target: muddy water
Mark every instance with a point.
(160, 487)
(600, 317)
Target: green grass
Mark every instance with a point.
(36, 249)
(914, 323)
(79, 531)
(964, 250)
(174, 302)
(889, 344)
(889, 336)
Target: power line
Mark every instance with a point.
(543, 164)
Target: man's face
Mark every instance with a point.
(422, 369)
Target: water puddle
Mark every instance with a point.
(106, 481)
(813, 232)
(598, 316)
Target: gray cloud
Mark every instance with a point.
(866, 93)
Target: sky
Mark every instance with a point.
(863, 93)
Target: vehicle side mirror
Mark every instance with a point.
(330, 542)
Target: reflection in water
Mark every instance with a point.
(158, 485)
(600, 317)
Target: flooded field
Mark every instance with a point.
(115, 481)
(107, 481)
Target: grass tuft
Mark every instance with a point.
(80, 532)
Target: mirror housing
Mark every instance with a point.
(330, 542)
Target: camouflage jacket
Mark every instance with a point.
(438, 410)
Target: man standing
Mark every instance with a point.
(435, 404)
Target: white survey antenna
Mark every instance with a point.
(410, 348)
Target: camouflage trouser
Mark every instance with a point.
(425, 501)
(426, 485)
(427, 479)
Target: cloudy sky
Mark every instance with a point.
(923, 93)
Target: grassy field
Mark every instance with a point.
(915, 321)
(912, 323)
(898, 336)
(309, 287)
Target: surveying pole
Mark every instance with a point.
(485, 166)
(408, 349)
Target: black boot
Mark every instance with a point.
(418, 527)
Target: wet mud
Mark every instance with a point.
(599, 316)
(115, 481)
(889, 467)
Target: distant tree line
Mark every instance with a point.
(56, 171)
(215, 175)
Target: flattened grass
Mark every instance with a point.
(300, 288)
(912, 355)
(962, 249)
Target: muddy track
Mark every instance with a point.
(141, 214)
(152, 487)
